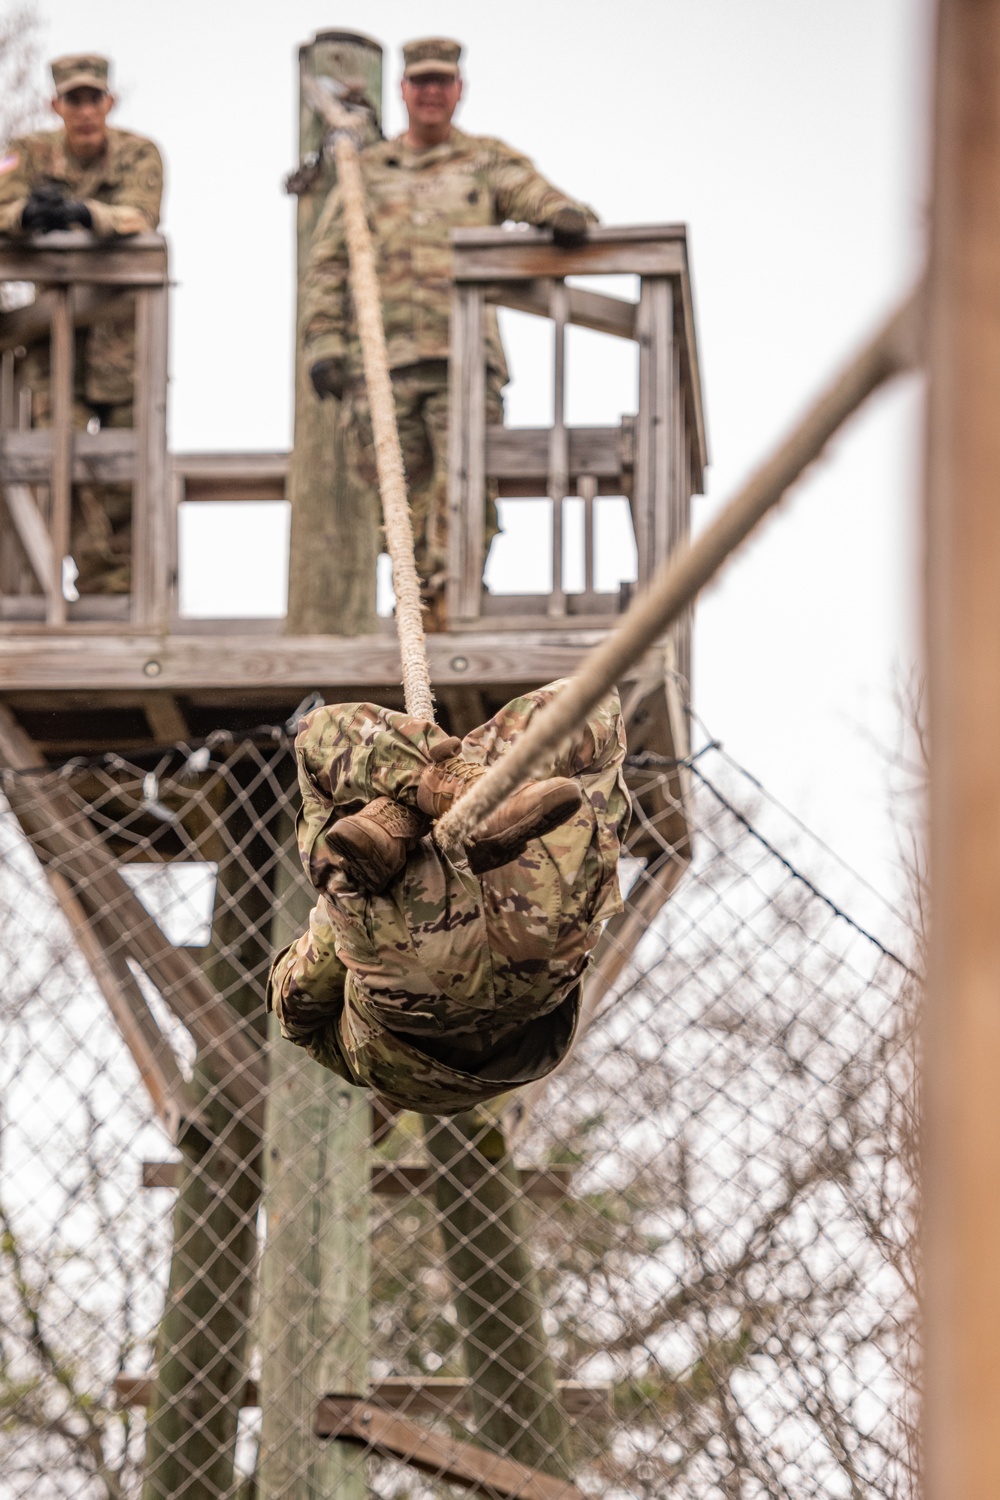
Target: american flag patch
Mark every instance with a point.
(9, 162)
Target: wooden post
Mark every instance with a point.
(335, 531)
(202, 1348)
(512, 1378)
(961, 1043)
(61, 472)
(314, 1275)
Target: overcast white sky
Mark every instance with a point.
(788, 134)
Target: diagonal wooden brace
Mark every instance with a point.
(68, 845)
(447, 1459)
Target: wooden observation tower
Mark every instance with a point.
(129, 674)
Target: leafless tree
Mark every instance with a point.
(22, 102)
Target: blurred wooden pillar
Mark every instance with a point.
(335, 535)
(313, 1324)
(962, 1029)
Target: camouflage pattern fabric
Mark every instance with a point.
(122, 189)
(100, 536)
(415, 199)
(448, 989)
(421, 393)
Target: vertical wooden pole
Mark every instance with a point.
(513, 1383)
(61, 472)
(151, 542)
(962, 1034)
(203, 1345)
(335, 531)
(313, 1330)
(558, 443)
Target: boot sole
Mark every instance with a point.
(363, 859)
(503, 849)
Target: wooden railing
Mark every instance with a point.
(655, 458)
(77, 281)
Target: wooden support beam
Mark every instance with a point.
(495, 1292)
(25, 324)
(447, 1459)
(61, 363)
(167, 724)
(402, 1180)
(414, 1396)
(60, 259)
(64, 839)
(105, 457)
(584, 309)
(186, 662)
(31, 530)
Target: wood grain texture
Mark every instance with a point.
(961, 1034)
(447, 1459)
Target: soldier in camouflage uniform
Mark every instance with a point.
(91, 176)
(431, 179)
(446, 990)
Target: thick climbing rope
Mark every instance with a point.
(388, 453)
(684, 574)
(677, 582)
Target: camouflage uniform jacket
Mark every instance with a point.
(122, 188)
(386, 990)
(415, 199)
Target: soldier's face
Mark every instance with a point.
(84, 112)
(431, 99)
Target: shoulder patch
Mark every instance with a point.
(9, 162)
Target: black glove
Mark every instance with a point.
(45, 210)
(329, 378)
(77, 212)
(569, 226)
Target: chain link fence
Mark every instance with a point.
(682, 1266)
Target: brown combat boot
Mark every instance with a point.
(534, 809)
(374, 842)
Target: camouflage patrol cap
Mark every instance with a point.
(80, 70)
(431, 54)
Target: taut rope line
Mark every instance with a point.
(680, 578)
(388, 453)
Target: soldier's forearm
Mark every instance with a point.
(119, 218)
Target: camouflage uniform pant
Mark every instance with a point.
(447, 989)
(421, 393)
(101, 514)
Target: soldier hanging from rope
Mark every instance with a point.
(439, 979)
(442, 983)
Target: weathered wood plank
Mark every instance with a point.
(446, 1459)
(95, 660)
(416, 1395)
(584, 309)
(517, 255)
(58, 259)
(107, 456)
(31, 529)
